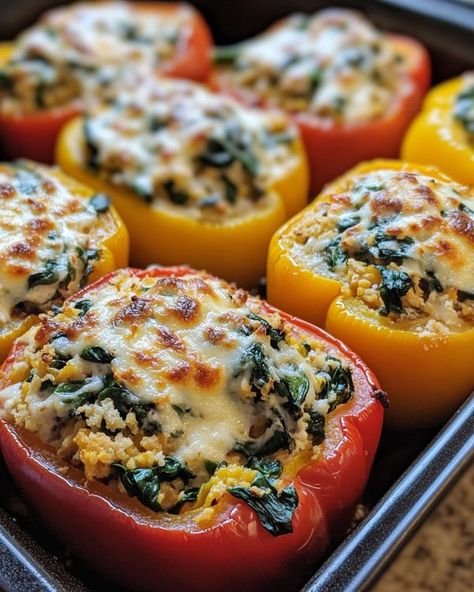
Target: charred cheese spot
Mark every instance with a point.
(402, 243)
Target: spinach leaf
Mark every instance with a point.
(92, 151)
(276, 441)
(293, 387)
(462, 296)
(276, 335)
(83, 306)
(429, 284)
(48, 276)
(347, 221)
(144, 484)
(68, 393)
(274, 510)
(210, 466)
(187, 495)
(125, 401)
(97, 354)
(333, 253)
(255, 359)
(394, 285)
(316, 425)
(86, 256)
(230, 189)
(100, 202)
(226, 55)
(233, 145)
(176, 196)
(271, 469)
(390, 249)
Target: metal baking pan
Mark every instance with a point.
(412, 471)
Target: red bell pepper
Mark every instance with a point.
(333, 147)
(33, 134)
(130, 544)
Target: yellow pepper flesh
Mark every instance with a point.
(234, 249)
(426, 377)
(112, 240)
(436, 138)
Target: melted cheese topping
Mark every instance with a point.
(464, 107)
(151, 369)
(334, 64)
(401, 242)
(182, 148)
(84, 51)
(47, 240)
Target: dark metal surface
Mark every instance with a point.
(30, 561)
(362, 557)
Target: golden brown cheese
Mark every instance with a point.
(48, 240)
(401, 242)
(83, 52)
(185, 375)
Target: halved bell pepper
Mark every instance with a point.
(426, 377)
(34, 134)
(436, 137)
(112, 531)
(110, 236)
(333, 147)
(234, 249)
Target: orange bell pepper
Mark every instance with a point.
(109, 236)
(333, 146)
(234, 248)
(438, 137)
(33, 134)
(426, 374)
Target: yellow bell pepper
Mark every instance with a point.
(426, 376)
(436, 137)
(6, 50)
(233, 249)
(111, 237)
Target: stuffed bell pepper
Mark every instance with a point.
(198, 178)
(55, 236)
(78, 54)
(351, 89)
(164, 420)
(384, 259)
(443, 133)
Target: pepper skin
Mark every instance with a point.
(425, 380)
(332, 147)
(436, 138)
(234, 249)
(112, 240)
(112, 532)
(33, 135)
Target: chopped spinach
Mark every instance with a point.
(270, 468)
(100, 202)
(315, 426)
(276, 335)
(187, 495)
(389, 249)
(92, 150)
(394, 285)
(210, 466)
(83, 306)
(234, 145)
(230, 189)
(347, 221)
(144, 484)
(465, 296)
(226, 55)
(255, 359)
(278, 440)
(49, 275)
(338, 380)
(126, 401)
(97, 354)
(275, 510)
(176, 196)
(293, 387)
(333, 253)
